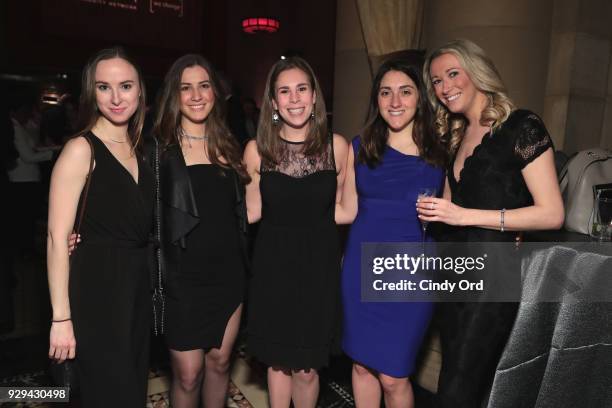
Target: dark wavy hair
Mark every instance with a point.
(166, 127)
(268, 143)
(88, 108)
(376, 131)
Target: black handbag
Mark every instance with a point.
(65, 374)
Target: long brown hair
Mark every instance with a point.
(167, 124)
(268, 132)
(88, 108)
(376, 132)
(481, 70)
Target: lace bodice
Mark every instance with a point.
(491, 177)
(292, 161)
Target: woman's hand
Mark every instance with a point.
(434, 209)
(62, 344)
(73, 241)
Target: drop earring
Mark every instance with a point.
(312, 114)
(275, 118)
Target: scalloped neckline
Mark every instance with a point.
(467, 160)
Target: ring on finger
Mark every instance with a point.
(432, 206)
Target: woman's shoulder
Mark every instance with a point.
(528, 135)
(80, 146)
(339, 141)
(356, 142)
(524, 117)
(524, 126)
(251, 152)
(76, 155)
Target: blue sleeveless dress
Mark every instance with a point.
(385, 336)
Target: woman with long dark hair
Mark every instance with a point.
(297, 169)
(396, 156)
(203, 215)
(101, 306)
(500, 181)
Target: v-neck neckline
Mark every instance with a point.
(136, 180)
(487, 135)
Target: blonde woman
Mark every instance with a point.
(501, 180)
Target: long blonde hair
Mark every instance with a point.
(486, 79)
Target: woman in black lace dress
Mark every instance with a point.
(297, 169)
(501, 180)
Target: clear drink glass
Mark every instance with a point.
(426, 192)
(602, 216)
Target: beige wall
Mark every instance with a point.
(578, 107)
(352, 80)
(514, 33)
(555, 57)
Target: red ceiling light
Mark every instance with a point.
(253, 25)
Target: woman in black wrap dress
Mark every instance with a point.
(101, 307)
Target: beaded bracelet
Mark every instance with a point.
(501, 219)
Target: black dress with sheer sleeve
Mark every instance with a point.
(473, 335)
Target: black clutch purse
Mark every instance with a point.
(64, 375)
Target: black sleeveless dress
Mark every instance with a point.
(109, 287)
(294, 292)
(210, 282)
(473, 335)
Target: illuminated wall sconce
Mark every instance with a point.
(260, 24)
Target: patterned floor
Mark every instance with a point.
(160, 381)
(247, 387)
(157, 400)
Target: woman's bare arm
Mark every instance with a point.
(546, 213)
(67, 181)
(252, 161)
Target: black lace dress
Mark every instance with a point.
(294, 293)
(473, 335)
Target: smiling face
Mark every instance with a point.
(197, 97)
(398, 99)
(117, 90)
(453, 86)
(294, 97)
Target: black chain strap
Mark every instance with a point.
(158, 292)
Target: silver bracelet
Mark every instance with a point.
(501, 219)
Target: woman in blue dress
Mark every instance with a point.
(395, 157)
